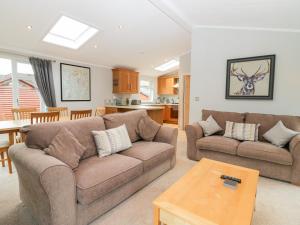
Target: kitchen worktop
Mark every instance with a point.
(147, 107)
(160, 104)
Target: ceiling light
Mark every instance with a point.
(69, 33)
(172, 63)
(29, 27)
(120, 27)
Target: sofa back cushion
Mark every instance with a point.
(267, 121)
(130, 119)
(41, 135)
(221, 118)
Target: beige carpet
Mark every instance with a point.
(278, 203)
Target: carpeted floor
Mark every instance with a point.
(278, 203)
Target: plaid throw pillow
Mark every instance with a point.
(242, 131)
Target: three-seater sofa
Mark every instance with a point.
(270, 160)
(58, 195)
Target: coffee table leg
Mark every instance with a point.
(156, 216)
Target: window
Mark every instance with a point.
(17, 86)
(69, 33)
(146, 90)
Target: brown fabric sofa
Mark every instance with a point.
(58, 195)
(271, 161)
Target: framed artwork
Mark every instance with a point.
(75, 82)
(250, 78)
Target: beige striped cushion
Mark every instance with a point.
(242, 131)
(112, 140)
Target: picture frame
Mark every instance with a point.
(75, 82)
(250, 78)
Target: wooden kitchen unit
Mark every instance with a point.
(125, 81)
(155, 112)
(166, 85)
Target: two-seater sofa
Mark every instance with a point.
(270, 160)
(58, 195)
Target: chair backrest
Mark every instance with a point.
(100, 111)
(78, 114)
(44, 117)
(22, 113)
(63, 111)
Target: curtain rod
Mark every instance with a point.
(23, 55)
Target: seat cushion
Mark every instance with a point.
(266, 152)
(150, 153)
(96, 176)
(218, 144)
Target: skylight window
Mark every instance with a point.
(69, 33)
(168, 65)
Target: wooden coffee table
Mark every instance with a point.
(200, 197)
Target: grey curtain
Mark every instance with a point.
(42, 69)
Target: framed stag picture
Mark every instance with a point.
(250, 78)
(75, 83)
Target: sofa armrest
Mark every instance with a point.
(193, 133)
(167, 135)
(47, 185)
(294, 148)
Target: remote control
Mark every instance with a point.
(225, 177)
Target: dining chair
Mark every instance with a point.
(78, 114)
(63, 111)
(4, 145)
(44, 117)
(22, 113)
(100, 111)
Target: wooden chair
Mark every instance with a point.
(44, 117)
(22, 113)
(100, 111)
(63, 111)
(78, 114)
(4, 145)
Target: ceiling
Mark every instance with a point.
(147, 39)
(153, 32)
(268, 14)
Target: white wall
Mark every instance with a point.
(101, 87)
(212, 47)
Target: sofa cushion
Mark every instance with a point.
(222, 117)
(66, 148)
(210, 126)
(40, 135)
(148, 128)
(130, 119)
(218, 144)
(96, 176)
(150, 153)
(266, 152)
(267, 121)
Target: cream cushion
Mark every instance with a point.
(242, 131)
(210, 126)
(279, 135)
(112, 140)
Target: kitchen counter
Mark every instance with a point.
(155, 112)
(147, 107)
(158, 104)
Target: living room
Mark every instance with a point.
(156, 112)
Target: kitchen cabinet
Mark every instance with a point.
(171, 114)
(166, 85)
(125, 81)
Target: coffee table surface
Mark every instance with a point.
(200, 198)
